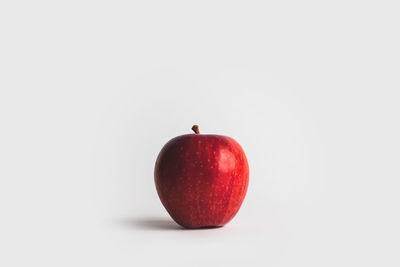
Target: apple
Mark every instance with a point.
(201, 179)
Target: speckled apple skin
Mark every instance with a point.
(201, 179)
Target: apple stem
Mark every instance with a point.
(195, 129)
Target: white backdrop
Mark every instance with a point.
(90, 91)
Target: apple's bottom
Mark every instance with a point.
(202, 227)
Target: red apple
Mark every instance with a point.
(201, 179)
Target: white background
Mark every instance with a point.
(91, 90)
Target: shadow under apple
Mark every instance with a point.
(156, 224)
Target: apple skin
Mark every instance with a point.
(201, 179)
